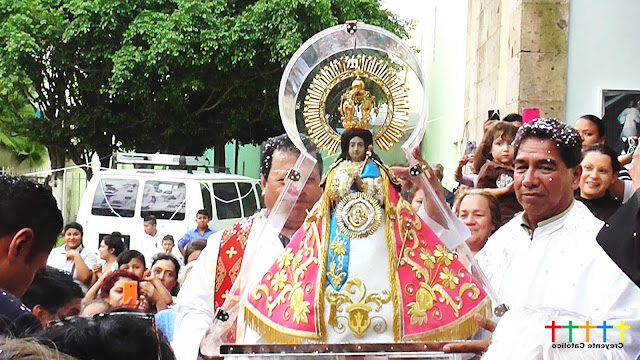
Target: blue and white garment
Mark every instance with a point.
(337, 268)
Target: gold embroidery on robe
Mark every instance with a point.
(358, 310)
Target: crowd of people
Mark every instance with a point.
(487, 175)
(533, 197)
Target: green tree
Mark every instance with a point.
(155, 75)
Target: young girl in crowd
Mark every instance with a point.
(495, 153)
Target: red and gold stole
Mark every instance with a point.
(230, 254)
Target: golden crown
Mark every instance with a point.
(356, 106)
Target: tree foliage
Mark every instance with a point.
(155, 75)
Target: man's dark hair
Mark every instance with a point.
(51, 289)
(597, 122)
(563, 136)
(129, 255)
(150, 219)
(73, 225)
(513, 117)
(114, 242)
(283, 143)
(25, 204)
(111, 335)
(169, 238)
(203, 212)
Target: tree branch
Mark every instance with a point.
(217, 103)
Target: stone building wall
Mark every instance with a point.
(516, 58)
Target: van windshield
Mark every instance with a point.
(115, 197)
(164, 200)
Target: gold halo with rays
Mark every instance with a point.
(339, 70)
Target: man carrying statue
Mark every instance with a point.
(362, 266)
(217, 267)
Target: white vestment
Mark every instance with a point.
(194, 309)
(560, 265)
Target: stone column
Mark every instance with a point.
(516, 58)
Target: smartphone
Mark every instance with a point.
(469, 148)
(493, 114)
(129, 293)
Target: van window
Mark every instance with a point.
(227, 201)
(164, 200)
(249, 206)
(206, 198)
(115, 197)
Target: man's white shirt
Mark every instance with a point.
(561, 265)
(194, 309)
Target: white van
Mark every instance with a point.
(118, 200)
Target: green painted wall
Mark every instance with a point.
(248, 159)
(443, 55)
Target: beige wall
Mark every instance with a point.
(516, 58)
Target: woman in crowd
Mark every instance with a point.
(110, 247)
(599, 168)
(109, 288)
(480, 212)
(112, 288)
(73, 257)
(496, 174)
(166, 268)
(592, 132)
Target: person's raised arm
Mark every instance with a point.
(153, 289)
(83, 272)
(432, 205)
(500, 191)
(93, 291)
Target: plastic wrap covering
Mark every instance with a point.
(401, 95)
(226, 316)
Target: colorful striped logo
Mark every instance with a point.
(590, 330)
